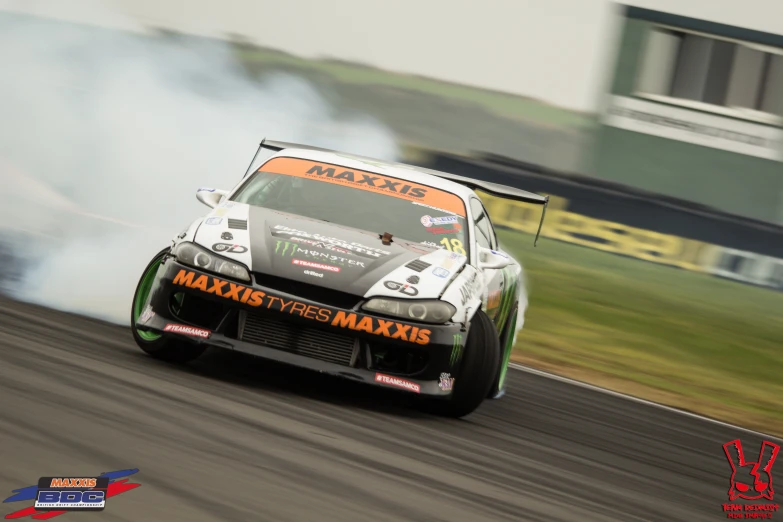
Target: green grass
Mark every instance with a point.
(688, 340)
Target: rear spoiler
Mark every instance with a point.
(493, 189)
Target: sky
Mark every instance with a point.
(557, 51)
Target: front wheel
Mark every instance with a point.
(157, 345)
(477, 370)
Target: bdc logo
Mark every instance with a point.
(55, 496)
(71, 499)
(71, 493)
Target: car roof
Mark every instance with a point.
(397, 170)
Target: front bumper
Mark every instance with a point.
(309, 333)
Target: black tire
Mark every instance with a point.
(477, 371)
(508, 334)
(162, 347)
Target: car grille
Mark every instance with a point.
(314, 293)
(293, 338)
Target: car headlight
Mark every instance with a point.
(193, 255)
(426, 311)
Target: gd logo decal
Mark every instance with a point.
(402, 288)
(228, 248)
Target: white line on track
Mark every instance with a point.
(637, 399)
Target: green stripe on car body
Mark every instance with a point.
(456, 349)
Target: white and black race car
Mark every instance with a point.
(381, 272)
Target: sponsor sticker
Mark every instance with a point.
(227, 236)
(338, 318)
(146, 315)
(314, 274)
(469, 289)
(206, 189)
(366, 181)
(499, 253)
(318, 266)
(213, 221)
(286, 248)
(187, 330)
(402, 288)
(55, 496)
(447, 263)
(429, 221)
(293, 234)
(441, 230)
(320, 244)
(446, 382)
(414, 279)
(440, 272)
(228, 248)
(397, 382)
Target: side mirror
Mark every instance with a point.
(492, 258)
(210, 197)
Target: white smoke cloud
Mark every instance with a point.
(106, 136)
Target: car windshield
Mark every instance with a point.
(359, 199)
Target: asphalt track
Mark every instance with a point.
(234, 438)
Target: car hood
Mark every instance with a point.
(324, 254)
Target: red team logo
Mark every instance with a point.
(751, 480)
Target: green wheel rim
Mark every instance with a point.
(141, 299)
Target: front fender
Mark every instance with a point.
(465, 294)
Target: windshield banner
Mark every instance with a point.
(368, 181)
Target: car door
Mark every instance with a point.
(494, 279)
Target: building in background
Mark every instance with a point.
(695, 111)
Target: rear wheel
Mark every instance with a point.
(157, 345)
(477, 370)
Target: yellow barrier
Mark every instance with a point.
(603, 235)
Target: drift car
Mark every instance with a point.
(380, 272)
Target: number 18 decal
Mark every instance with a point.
(453, 245)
